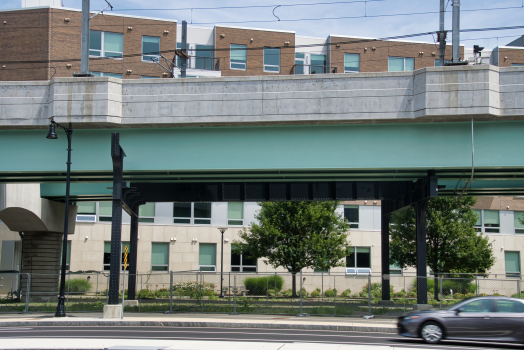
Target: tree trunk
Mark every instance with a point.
(293, 284)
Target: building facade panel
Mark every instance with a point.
(255, 41)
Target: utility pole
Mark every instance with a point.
(456, 31)
(84, 61)
(183, 56)
(442, 33)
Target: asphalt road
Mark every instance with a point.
(236, 335)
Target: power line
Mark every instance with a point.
(251, 6)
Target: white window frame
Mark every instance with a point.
(351, 71)
(163, 265)
(359, 270)
(353, 225)
(271, 65)
(517, 230)
(104, 74)
(150, 55)
(242, 266)
(193, 218)
(88, 218)
(230, 220)
(231, 63)
(212, 266)
(404, 60)
(482, 227)
(103, 51)
(512, 274)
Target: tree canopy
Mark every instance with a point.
(297, 235)
(453, 245)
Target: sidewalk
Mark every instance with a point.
(383, 325)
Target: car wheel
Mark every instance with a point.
(431, 332)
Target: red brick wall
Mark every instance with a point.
(255, 52)
(374, 53)
(513, 56)
(23, 45)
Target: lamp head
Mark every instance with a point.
(51, 134)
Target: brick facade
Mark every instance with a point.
(52, 38)
(255, 40)
(374, 53)
(508, 55)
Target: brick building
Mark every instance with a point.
(44, 42)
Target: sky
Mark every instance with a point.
(371, 18)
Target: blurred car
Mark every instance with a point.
(478, 319)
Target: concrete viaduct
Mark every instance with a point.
(400, 137)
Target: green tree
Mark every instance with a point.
(453, 245)
(297, 235)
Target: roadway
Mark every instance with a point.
(216, 338)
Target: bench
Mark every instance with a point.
(230, 291)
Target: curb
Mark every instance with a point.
(196, 324)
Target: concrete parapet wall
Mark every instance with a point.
(428, 94)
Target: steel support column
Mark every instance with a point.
(420, 223)
(384, 226)
(117, 155)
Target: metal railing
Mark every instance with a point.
(253, 293)
(298, 69)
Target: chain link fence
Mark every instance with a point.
(252, 293)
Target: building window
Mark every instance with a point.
(192, 213)
(159, 256)
(204, 57)
(351, 215)
(105, 211)
(358, 260)
(519, 218)
(106, 44)
(107, 255)
(240, 261)
(271, 60)
(488, 221)
(150, 48)
(86, 212)
(512, 260)
(351, 63)
(235, 213)
(401, 64)
(112, 75)
(517, 64)
(318, 64)
(395, 270)
(491, 221)
(146, 213)
(300, 61)
(238, 57)
(148, 77)
(207, 253)
(437, 62)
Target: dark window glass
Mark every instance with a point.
(351, 213)
(350, 258)
(363, 259)
(510, 306)
(182, 210)
(204, 57)
(235, 259)
(202, 210)
(483, 305)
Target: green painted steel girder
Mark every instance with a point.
(363, 152)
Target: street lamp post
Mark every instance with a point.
(222, 230)
(60, 310)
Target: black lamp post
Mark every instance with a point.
(222, 230)
(60, 310)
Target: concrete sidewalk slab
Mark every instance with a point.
(204, 320)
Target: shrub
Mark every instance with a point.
(346, 293)
(259, 285)
(315, 293)
(330, 293)
(459, 285)
(304, 292)
(78, 286)
(287, 293)
(145, 293)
